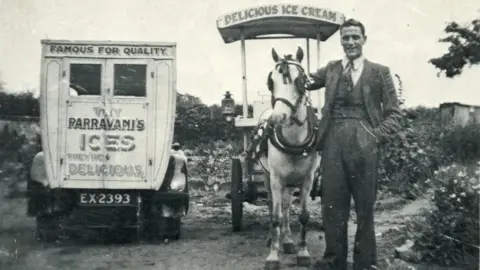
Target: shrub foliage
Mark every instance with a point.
(448, 234)
(19, 104)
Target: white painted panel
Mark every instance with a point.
(49, 110)
(164, 115)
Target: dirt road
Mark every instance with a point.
(207, 241)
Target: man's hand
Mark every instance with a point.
(309, 81)
(317, 79)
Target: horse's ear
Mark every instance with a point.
(299, 54)
(275, 55)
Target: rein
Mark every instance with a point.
(275, 130)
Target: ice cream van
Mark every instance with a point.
(107, 113)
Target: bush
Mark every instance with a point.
(210, 163)
(412, 156)
(448, 234)
(19, 104)
(421, 148)
(16, 156)
(406, 165)
(462, 143)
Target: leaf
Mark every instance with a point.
(464, 48)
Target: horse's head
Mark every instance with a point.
(286, 84)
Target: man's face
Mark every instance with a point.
(352, 41)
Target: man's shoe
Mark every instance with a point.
(324, 265)
(329, 265)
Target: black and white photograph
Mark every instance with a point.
(242, 134)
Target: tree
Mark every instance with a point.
(464, 48)
(2, 84)
(196, 122)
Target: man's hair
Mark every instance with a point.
(353, 22)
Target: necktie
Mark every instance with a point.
(347, 73)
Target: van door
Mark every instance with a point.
(129, 91)
(80, 140)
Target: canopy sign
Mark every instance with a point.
(279, 10)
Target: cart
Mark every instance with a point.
(276, 21)
(107, 110)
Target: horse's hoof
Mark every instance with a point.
(289, 248)
(304, 261)
(272, 265)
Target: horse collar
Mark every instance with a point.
(307, 146)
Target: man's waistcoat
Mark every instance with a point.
(349, 103)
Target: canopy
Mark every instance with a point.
(297, 21)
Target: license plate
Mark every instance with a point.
(106, 198)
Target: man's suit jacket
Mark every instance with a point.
(379, 95)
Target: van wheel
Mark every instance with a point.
(170, 228)
(47, 228)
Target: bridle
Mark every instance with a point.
(299, 83)
(274, 131)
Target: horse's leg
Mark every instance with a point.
(269, 204)
(273, 259)
(303, 256)
(287, 242)
(270, 215)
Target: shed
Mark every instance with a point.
(459, 114)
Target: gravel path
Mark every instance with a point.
(207, 241)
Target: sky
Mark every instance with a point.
(402, 34)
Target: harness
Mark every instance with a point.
(268, 129)
(274, 132)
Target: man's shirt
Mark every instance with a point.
(357, 67)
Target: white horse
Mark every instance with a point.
(292, 159)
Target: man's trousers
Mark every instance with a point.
(350, 159)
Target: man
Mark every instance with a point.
(361, 112)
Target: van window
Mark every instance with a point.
(130, 80)
(85, 79)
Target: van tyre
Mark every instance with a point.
(162, 228)
(47, 228)
(170, 228)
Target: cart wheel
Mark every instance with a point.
(237, 195)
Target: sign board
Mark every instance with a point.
(109, 145)
(279, 10)
(107, 50)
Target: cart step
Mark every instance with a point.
(262, 194)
